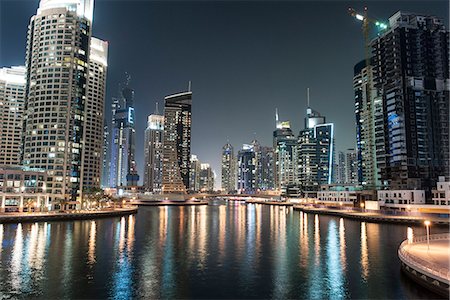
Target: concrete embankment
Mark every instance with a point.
(169, 203)
(269, 202)
(426, 261)
(64, 216)
(373, 217)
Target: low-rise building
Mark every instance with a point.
(348, 195)
(24, 189)
(409, 197)
(441, 195)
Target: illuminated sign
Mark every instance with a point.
(131, 115)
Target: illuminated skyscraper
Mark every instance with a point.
(61, 106)
(177, 143)
(411, 60)
(247, 167)
(206, 178)
(153, 151)
(194, 174)
(123, 134)
(12, 103)
(228, 169)
(284, 155)
(315, 152)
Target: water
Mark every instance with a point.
(217, 251)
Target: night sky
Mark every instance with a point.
(244, 59)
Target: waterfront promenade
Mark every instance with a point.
(373, 216)
(428, 263)
(65, 215)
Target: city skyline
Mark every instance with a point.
(265, 67)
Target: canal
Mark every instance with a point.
(224, 250)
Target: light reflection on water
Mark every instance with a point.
(216, 251)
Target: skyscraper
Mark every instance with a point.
(194, 174)
(228, 169)
(12, 103)
(153, 151)
(123, 170)
(58, 85)
(411, 60)
(106, 156)
(206, 178)
(177, 142)
(92, 160)
(284, 155)
(351, 166)
(369, 126)
(315, 152)
(266, 181)
(247, 169)
(340, 168)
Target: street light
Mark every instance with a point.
(427, 224)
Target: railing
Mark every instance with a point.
(421, 264)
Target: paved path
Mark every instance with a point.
(437, 255)
(373, 216)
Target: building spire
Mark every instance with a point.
(189, 86)
(276, 115)
(156, 109)
(307, 96)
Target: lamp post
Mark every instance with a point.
(427, 224)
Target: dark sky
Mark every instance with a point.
(244, 59)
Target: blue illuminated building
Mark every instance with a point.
(123, 135)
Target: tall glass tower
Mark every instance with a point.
(153, 150)
(123, 170)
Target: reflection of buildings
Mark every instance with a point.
(177, 143)
(228, 169)
(64, 97)
(153, 151)
(123, 165)
(315, 152)
(12, 103)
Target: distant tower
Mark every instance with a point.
(177, 143)
(123, 134)
(315, 151)
(228, 169)
(153, 150)
(12, 99)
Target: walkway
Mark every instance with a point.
(429, 266)
(373, 216)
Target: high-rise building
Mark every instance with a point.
(266, 181)
(351, 166)
(228, 169)
(106, 156)
(284, 155)
(247, 169)
(57, 92)
(12, 103)
(411, 61)
(340, 168)
(369, 126)
(92, 160)
(206, 178)
(194, 174)
(315, 152)
(153, 151)
(123, 170)
(177, 143)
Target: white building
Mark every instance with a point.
(12, 102)
(153, 151)
(409, 197)
(60, 108)
(441, 195)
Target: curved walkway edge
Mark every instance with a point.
(373, 217)
(427, 264)
(65, 216)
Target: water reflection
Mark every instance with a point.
(91, 245)
(364, 253)
(316, 239)
(334, 267)
(410, 235)
(342, 243)
(16, 260)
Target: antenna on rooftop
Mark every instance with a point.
(307, 96)
(189, 86)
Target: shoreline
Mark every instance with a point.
(64, 216)
(275, 203)
(169, 203)
(374, 217)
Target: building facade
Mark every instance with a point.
(12, 103)
(194, 174)
(123, 170)
(177, 143)
(206, 178)
(284, 155)
(92, 159)
(411, 62)
(315, 152)
(153, 151)
(58, 75)
(228, 169)
(247, 168)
